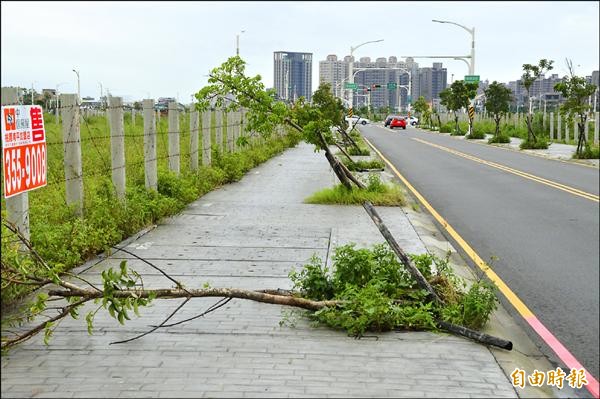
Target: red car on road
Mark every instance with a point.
(398, 122)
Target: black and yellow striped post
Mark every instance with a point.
(471, 112)
(350, 113)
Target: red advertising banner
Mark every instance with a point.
(24, 152)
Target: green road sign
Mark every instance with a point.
(392, 86)
(349, 85)
(471, 78)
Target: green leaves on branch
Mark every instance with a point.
(378, 294)
(122, 280)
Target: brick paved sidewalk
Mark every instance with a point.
(249, 235)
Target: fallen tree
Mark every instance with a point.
(341, 299)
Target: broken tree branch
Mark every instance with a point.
(410, 266)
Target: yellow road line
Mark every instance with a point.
(508, 293)
(559, 186)
(533, 154)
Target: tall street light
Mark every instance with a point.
(351, 66)
(237, 43)
(78, 87)
(472, 32)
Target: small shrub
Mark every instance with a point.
(378, 294)
(361, 151)
(499, 139)
(475, 135)
(589, 152)
(447, 128)
(540, 144)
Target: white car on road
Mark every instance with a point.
(356, 120)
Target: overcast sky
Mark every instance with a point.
(166, 49)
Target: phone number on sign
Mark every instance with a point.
(24, 168)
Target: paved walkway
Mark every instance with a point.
(249, 235)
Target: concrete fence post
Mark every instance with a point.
(173, 134)
(117, 145)
(194, 123)
(587, 130)
(219, 129)
(230, 127)
(567, 131)
(596, 125)
(551, 125)
(150, 160)
(558, 127)
(206, 139)
(575, 129)
(72, 152)
(132, 116)
(17, 207)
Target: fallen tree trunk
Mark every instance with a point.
(410, 266)
(258, 296)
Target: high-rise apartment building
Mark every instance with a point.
(333, 71)
(292, 75)
(432, 81)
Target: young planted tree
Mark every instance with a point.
(314, 122)
(456, 97)
(531, 74)
(576, 91)
(421, 106)
(497, 103)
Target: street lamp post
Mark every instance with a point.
(472, 32)
(56, 95)
(237, 43)
(78, 87)
(351, 66)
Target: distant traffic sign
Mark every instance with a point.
(471, 78)
(409, 99)
(392, 86)
(349, 85)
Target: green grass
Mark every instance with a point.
(376, 192)
(363, 165)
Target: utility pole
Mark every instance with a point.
(351, 66)
(237, 43)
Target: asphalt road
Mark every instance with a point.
(546, 239)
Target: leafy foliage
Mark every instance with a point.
(363, 165)
(531, 73)
(576, 91)
(457, 96)
(378, 294)
(497, 102)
